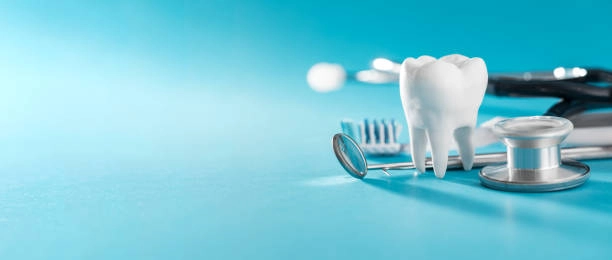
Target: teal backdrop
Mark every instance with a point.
(186, 130)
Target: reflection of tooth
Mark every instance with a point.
(441, 99)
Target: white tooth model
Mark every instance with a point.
(441, 99)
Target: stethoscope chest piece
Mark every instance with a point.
(534, 162)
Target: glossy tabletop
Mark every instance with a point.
(186, 130)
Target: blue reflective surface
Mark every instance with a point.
(186, 130)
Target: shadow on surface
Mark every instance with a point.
(399, 186)
(469, 179)
(512, 207)
(593, 195)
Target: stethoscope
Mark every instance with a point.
(534, 161)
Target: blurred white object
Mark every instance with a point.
(326, 77)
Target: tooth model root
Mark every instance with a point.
(463, 137)
(439, 139)
(418, 147)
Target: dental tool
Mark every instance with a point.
(353, 160)
(532, 178)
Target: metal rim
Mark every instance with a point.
(350, 156)
(568, 175)
(533, 127)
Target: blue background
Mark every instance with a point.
(144, 129)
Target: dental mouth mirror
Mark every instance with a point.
(566, 175)
(353, 160)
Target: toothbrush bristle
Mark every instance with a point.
(375, 136)
(381, 132)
